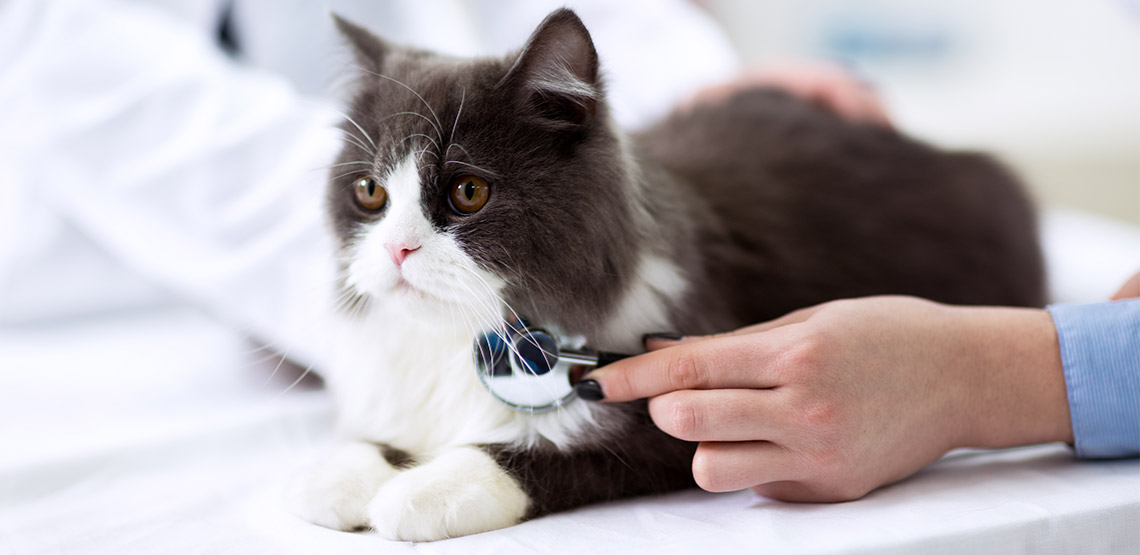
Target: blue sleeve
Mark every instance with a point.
(1100, 351)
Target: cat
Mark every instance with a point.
(473, 191)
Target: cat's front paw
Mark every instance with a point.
(461, 492)
(336, 492)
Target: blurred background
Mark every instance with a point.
(1051, 87)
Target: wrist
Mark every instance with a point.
(1015, 381)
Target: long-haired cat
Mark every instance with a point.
(474, 191)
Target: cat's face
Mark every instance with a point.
(476, 189)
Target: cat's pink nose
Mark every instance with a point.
(400, 251)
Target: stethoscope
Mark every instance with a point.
(527, 368)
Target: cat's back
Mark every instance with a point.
(801, 206)
(770, 139)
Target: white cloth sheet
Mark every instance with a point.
(157, 203)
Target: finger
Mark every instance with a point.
(1130, 289)
(730, 362)
(870, 108)
(875, 112)
(719, 415)
(843, 100)
(657, 341)
(732, 466)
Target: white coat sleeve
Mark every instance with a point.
(130, 134)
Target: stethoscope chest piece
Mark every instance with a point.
(526, 368)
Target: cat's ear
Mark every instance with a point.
(368, 49)
(556, 74)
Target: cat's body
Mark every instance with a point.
(794, 206)
(721, 216)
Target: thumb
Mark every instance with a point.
(656, 341)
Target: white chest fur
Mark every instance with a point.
(401, 381)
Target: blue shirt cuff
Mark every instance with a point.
(1100, 352)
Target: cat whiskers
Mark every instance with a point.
(354, 172)
(308, 369)
(265, 358)
(356, 142)
(487, 287)
(361, 129)
(424, 135)
(471, 321)
(437, 125)
(469, 157)
(491, 292)
(420, 154)
(272, 374)
(494, 319)
(356, 305)
(462, 99)
(352, 163)
(407, 113)
(459, 146)
(511, 266)
(351, 302)
(358, 146)
(361, 169)
(347, 295)
(423, 150)
(484, 170)
(497, 315)
(281, 346)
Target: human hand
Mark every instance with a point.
(830, 402)
(1130, 289)
(829, 86)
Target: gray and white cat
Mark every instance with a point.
(472, 191)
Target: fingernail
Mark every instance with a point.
(663, 336)
(590, 390)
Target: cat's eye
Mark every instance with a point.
(369, 194)
(469, 194)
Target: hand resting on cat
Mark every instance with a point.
(826, 85)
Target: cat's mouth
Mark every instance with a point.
(407, 289)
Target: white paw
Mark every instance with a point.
(461, 492)
(335, 493)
